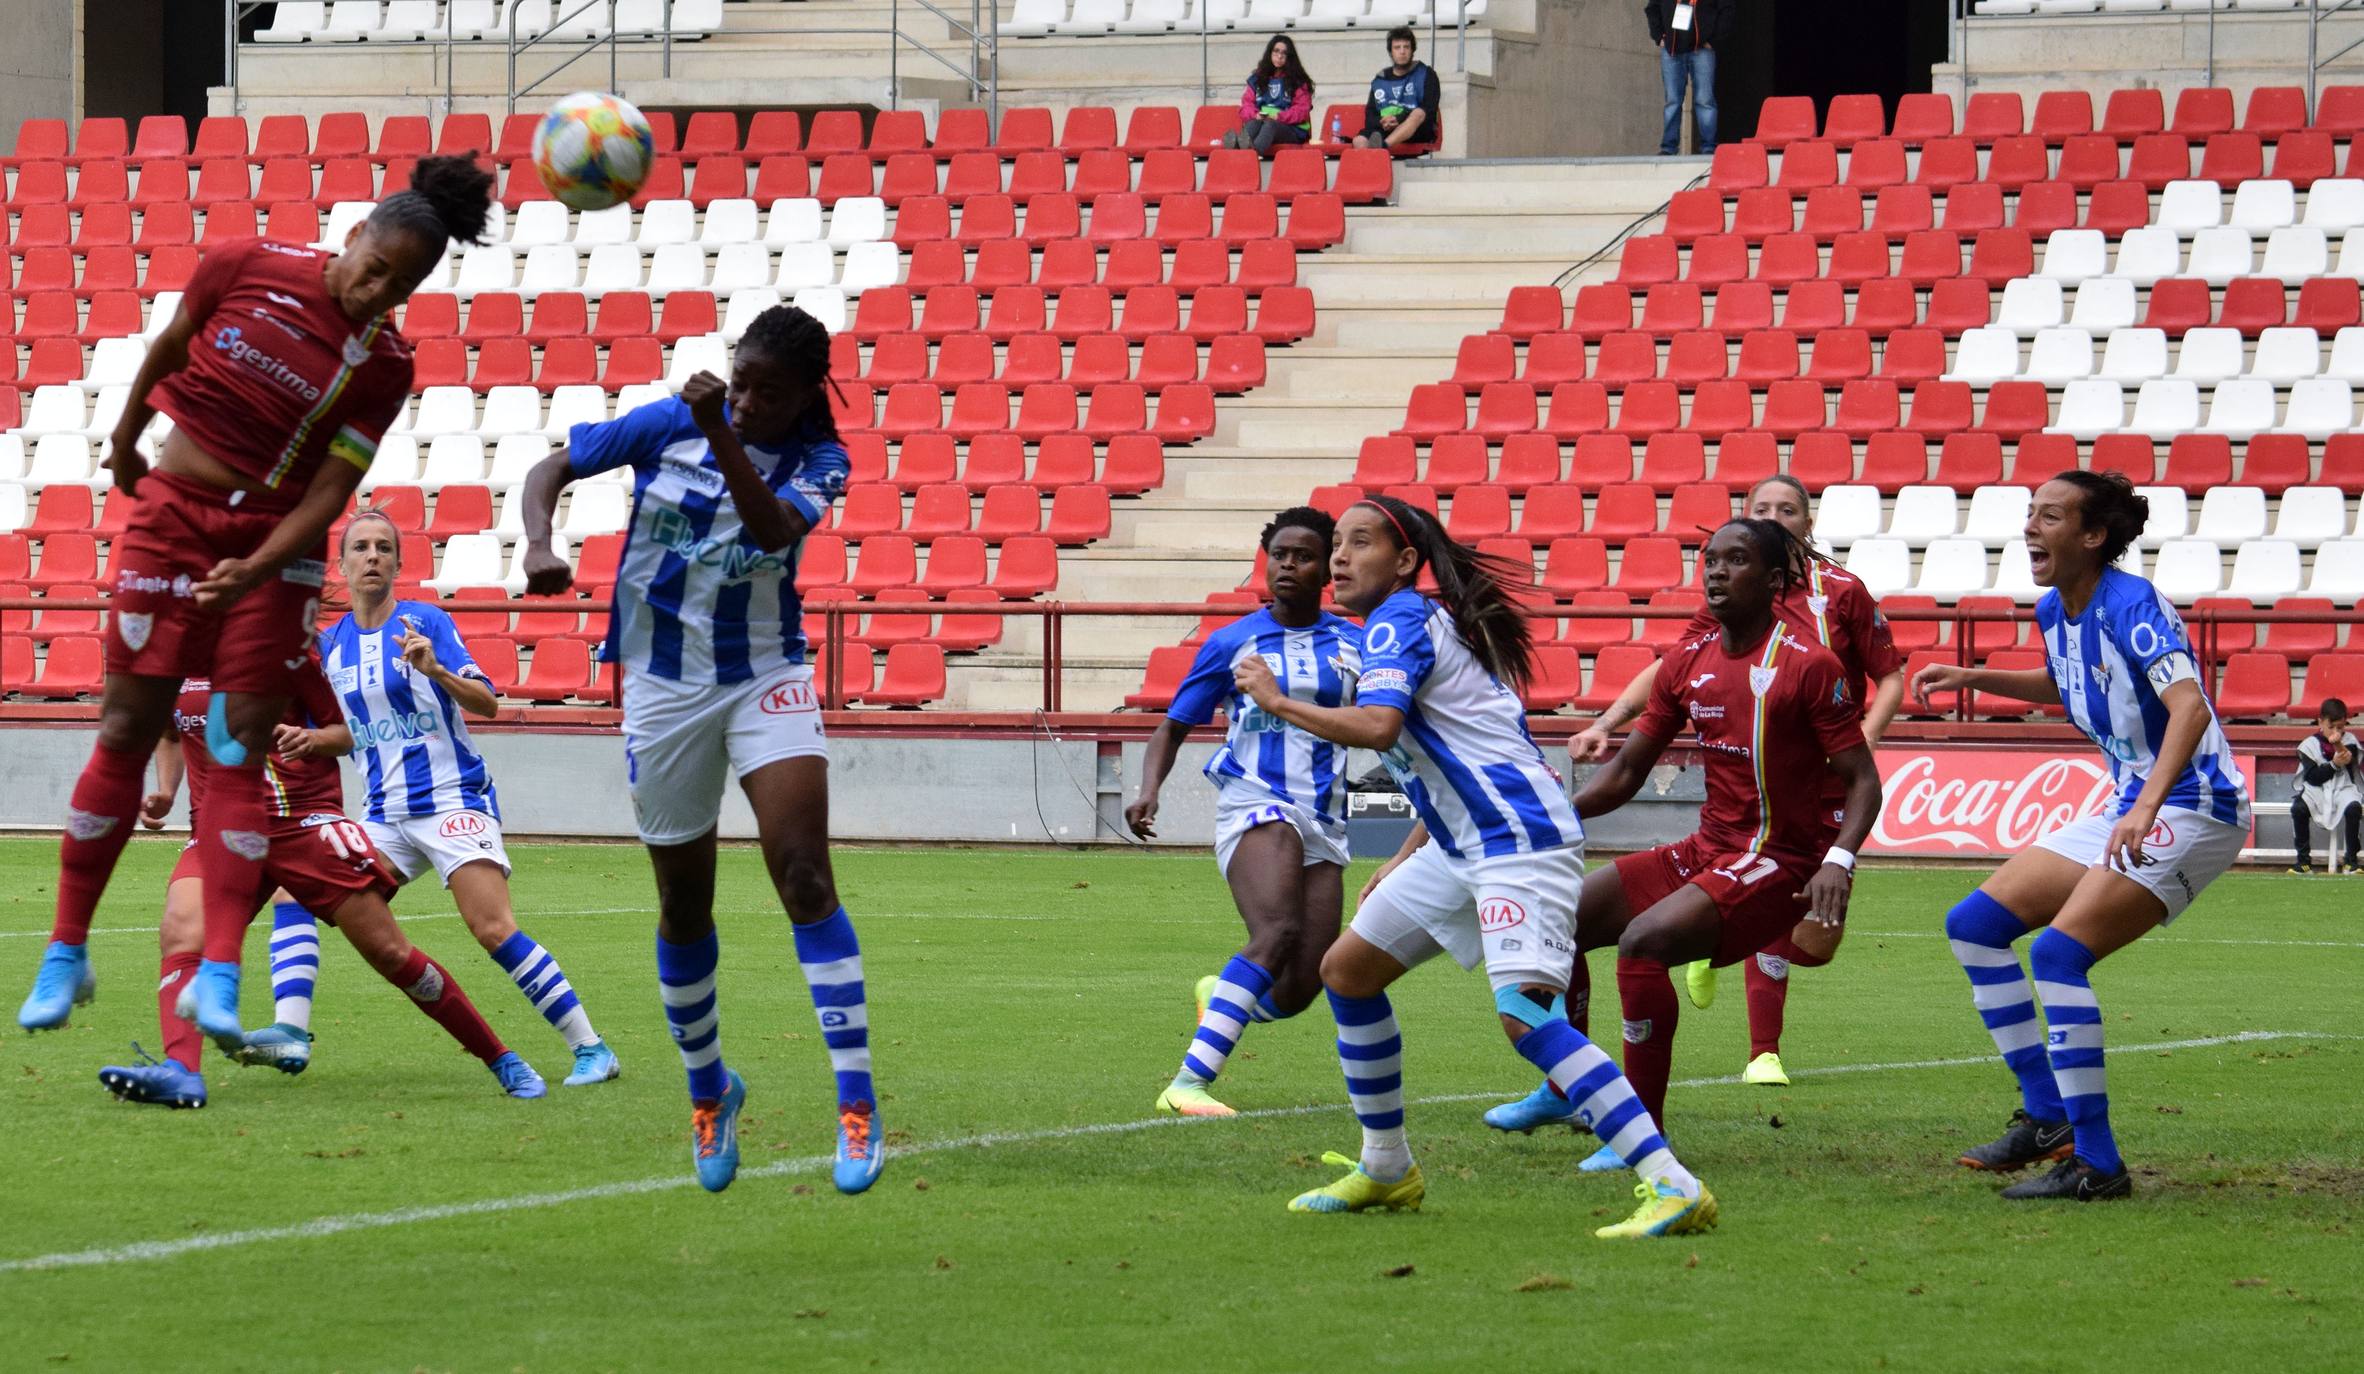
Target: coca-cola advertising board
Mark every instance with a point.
(1967, 803)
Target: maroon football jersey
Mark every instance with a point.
(1768, 719)
(296, 787)
(278, 378)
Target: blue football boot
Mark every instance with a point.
(1601, 1161)
(594, 1063)
(1542, 1107)
(518, 1078)
(714, 1136)
(64, 983)
(860, 1153)
(217, 1005)
(158, 1081)
(280, 1047)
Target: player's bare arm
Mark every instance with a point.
(1613, 784)
(1591, 744)
(2187, 720)
(298, 533)
(474, 695)
(2031, 684)
(771, 522)
(1887, 698)
(1157, 760)
(169, 770)
(1826, 893)
(169, 353)
(546, 574)
(1412, 842)
(1358, 727)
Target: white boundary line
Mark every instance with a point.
(320, 1227)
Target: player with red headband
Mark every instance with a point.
(326, 864)
(280, 372)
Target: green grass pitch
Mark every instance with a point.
(1035, 1213)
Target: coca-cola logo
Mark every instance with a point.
(1981, 802)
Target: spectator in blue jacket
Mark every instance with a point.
(1402, 108)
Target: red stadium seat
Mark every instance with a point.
(2060, 115)
(2256, 686)
(1784, 120)
(1168, 665)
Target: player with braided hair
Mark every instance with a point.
(1769, 706)
(727, 479)
(281, 370)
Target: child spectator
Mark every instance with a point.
(1403, 105)
(1277, 106)
(2329, 790)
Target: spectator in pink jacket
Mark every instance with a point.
(1277, 106)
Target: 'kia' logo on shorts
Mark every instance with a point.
(461, 823)
(1500, 913)
(788, 699)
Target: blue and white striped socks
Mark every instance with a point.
(685, 978)
(1982, 931)
(1239, 992)
(2061, 963)
(1604, 1101)
(832, 961)
(295, 964)
(1371, 1052)
(544, 984)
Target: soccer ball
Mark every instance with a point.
(593, 150)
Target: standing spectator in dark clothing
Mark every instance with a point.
(1402, 109)
(1277, 106)
(2328, 791)
(1687, 33)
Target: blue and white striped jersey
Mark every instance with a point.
(696, 599)
(2110, 664)
(409, 735)
(1316, 665)
(1465, 758)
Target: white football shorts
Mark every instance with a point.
(1240, 809)
(448, 841)
(2184, 852)
(1514, 913)
(684, 740)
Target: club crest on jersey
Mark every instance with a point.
(86, 825)
(134, 628)
(1636, 1032)
(356, 352)
(1760, 679)
(247, 845)
(1818, 603)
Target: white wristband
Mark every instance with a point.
(1843, 858)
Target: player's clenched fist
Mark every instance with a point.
(704, 396)
(546, 574)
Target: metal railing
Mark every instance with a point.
(2318, 11)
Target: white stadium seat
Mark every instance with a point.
(514, 579)
(1883, 565)
(801, 265)
(2295, 253)
(823, 303)
(160, 313)
(1987, 353)
(408, 21)
(445, 410)
(676, 221)
(114, 362)
(2134, 355)
(1152, 16)
(2090, 408)
(293, 21)
(550, 267)
(2286, 353)
(538, 222)
(856, 219)
(2263, 206)
(2230, 515)
(2170, 517)
(2265, 570)
(510, 410)
(12, 458)
(349, 20)
(1998, 515)
(679, 267)
(2187, 207)
(1034, 19)
(452, 460)
(488, 267)
(2030, 304)
(2207, 356)
(612, 225)
(738, 265)
(868, 265)
(2147, 254)
(2103, 304)
(2319, 408)
(700, 353)
(2072, 256)
(2165, 407)
(617, 267)
(1266, 15)
(2241, 408)
(1846, 513)
(1953, 568)
(745, 305)
(1922, 513)
(56, 409)
(791, 221)
(1334, 14)
(595, 508)
(2339, 571)
(63, 460)
(13, 507)
(514, 455)
(573, 405)
(2187, 569)
(732, 221)
(2060, 356)
(469, 560)
(2335, 205)
(1094, 17)
(342, 216)
(2347, 355)
(2311, 516)
(2219, 255)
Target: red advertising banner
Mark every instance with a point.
(1964, 803)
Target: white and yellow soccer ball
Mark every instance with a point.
(593, 150)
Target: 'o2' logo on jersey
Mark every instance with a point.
(1500, 913)
(791, 698)
(1379, 639)
(734, 560)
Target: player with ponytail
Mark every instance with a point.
(1491, 873)
(280, 371)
